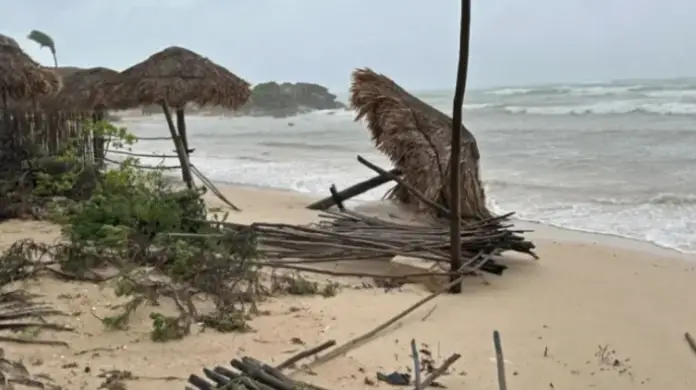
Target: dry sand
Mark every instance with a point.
(586, 291)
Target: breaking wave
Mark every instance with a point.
(608, 108)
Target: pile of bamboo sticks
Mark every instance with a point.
(352, 236)
(253, 374)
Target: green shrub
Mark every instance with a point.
(132, 218)
(129, 212)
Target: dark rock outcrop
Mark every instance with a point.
(287, 99)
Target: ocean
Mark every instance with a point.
(615, 158)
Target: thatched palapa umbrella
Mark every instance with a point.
(79, 92)
(417, 139)
(173, 78)
(20, 76)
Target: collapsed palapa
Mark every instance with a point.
(176, 76)
(20, 76)
(417, 139)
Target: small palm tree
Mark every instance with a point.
(44, 40)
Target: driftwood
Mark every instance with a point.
(353, 191)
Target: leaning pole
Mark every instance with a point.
(455, 155)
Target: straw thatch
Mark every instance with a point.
(417, 139)
(80, 87)
(177, 76)
(20, 76)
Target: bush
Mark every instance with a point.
(137, 222)
(129, 213)
(67, 174)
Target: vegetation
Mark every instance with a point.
(44, 40)
(149, 240)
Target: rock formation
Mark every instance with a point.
(287, 99)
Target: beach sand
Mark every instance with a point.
(587, 292)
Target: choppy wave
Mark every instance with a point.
(573, 190)
(613, 107)
(662, 199)
(670, 98)
(598, 90)
(608, 108)
(304, 146)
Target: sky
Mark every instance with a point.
(415, 42)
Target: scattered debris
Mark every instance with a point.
(16, 373)
(395, 378)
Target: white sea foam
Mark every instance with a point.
(608, 108)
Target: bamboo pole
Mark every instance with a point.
(455, 155)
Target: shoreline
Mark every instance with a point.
(541, 231)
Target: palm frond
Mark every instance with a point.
(43, 39)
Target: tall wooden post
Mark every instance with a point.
(462, 68)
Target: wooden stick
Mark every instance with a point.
(416, 365)
(412, 190)
(502, 383)
(353, 191)
(336, 198)
(358, 341)
(306, 353)
(209, 184)
(690, 341)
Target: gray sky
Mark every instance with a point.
(514, 42)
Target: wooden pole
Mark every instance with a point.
(353, 191)
(178, 144)
(181, 126)
(455, 155)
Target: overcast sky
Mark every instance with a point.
(514, 42)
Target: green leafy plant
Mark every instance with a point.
(66, 174)
(167, 328)
(119, 321)
(131, 209)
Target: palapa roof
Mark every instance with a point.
(79, 90)
(177, 76)
(20, 76)
(417, 139)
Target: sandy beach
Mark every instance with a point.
(594, 312)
